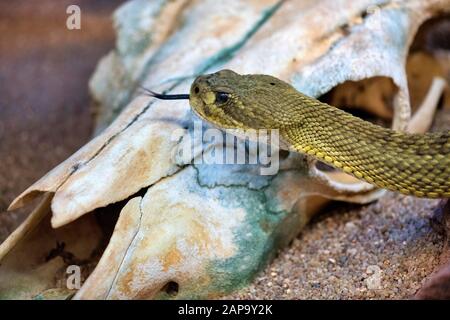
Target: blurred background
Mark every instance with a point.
(44, 98)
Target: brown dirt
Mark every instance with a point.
(384, 250)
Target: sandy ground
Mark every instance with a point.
(384, 250)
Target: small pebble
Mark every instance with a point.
(384, 250)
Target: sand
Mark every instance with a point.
(384, 250)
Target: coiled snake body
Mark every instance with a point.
(414, 164)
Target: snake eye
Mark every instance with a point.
(222, 97)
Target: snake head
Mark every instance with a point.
(229, 100)
(213, 97)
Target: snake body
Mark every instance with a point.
(413, 164)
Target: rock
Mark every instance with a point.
(438, 284)
(438, 287)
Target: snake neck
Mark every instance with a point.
(416, 164)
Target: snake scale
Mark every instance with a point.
(412, 164)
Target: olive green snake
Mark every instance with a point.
(412, 164)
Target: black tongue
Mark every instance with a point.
(166, 96)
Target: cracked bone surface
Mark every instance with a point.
(201, 231)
